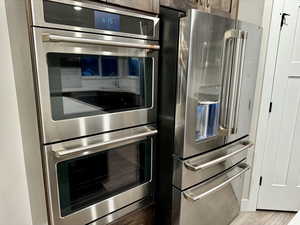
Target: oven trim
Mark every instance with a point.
(38, 20)
(58, 130)
(102, 208)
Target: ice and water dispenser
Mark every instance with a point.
(207, 114)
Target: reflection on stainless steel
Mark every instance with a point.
(57, 130)
(38, 17)
(122, 212)
(109, 205)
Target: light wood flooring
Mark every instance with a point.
(263, 218)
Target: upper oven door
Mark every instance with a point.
(90, 84)
(94, 17)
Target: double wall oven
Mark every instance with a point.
(96, 81)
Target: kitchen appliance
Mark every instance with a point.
(92, 177)
(208, 73)
(96, 78)
(88, 80)
(94, 17)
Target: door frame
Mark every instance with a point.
(267, 68)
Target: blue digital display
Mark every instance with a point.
(107, 21)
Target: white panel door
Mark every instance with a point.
(280, 188)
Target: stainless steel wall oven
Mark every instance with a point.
(92, 177)
(90, 83)
(96, 80)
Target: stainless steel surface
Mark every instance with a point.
(57, 38)
(199, 79)
(98, 210)
(188, 173)
(190, 195)
(122, 212)
(242, 42)
(218, 160)
(145, 5)
(227, 60)
(247, 65)
(54, 131)
(181, 95)
(38, 17)
(217, 207)
(102, 142)
(236, 81)
(217, 62)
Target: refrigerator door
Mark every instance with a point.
(245, 69)
(206, 49)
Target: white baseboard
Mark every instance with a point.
(245, 206)
(295, 220)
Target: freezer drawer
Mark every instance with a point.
(215, 202)
(198, 169)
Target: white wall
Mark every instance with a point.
(14, 198)
(251, 11)
(255, 12)
(23, 77)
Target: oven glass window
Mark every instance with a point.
(87, 85)
(91, 179)
(71, 15)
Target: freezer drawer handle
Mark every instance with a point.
(190, 196)
(58, 38)
(193, 167)
(98, 147)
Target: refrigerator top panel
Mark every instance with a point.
(211, 84)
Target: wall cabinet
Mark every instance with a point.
(144, 216)
(180, 4)
(226, 8)
(144, 5)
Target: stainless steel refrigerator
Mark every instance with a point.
(207, 81)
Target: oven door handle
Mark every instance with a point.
(58, 38)
(102, 146)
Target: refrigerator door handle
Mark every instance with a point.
(227, 56)
(240, 61)
(232, 81)
(194, 167)
(190, 195)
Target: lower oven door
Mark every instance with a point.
(92, 177)
(215, 202)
